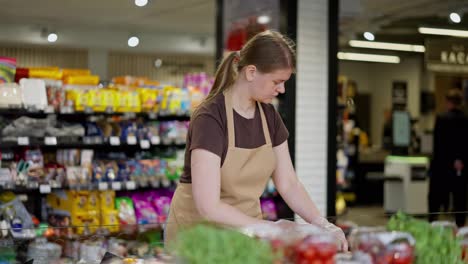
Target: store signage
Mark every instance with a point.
(450, 55)
(399, 95)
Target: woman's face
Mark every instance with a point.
(266, 86)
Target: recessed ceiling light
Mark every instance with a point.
(52, 37)
(369, 36)
(133, 41)
(443, 32)
(158, 63)
(368, 57)
(141, 3)
(264, 19)
(455, 18)
(386, 45)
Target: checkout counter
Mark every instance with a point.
(406, 184)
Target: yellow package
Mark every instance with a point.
(81, 221)
(93, 201)
(80, 100)
(45, 74)
(123, 102)
(166, 94)
(97, 100)
(148, 99)
(135, 103)
(76, 72)
(107, 200)
(83, 80)
(110, 220)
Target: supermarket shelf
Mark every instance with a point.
(88, 142)
(34, 187)
(69, 114)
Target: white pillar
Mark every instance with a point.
(312, 98)
(98, 62)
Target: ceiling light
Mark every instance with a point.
(368, 57)
(386, 46)
(133, 41)
(369, 36)
(158, 63)
(141, 3)
(264, 19)
(443, 31)
(52, 37)
(455, 18)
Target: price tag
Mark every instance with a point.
(23, 141)
(131, 140)
(103, 186)
(50, 141)
(115, 141)
(88, 110)
(152, 115)
(45, 188)
(155, 140)
(109, 110)
(130, 185)
(145, 144)
(129, 115)
(116, 186)
(166, 183)
(49, 109)
(23, 197)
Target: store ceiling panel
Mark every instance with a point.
(187, 16)
(397, 20)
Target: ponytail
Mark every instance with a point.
(225, 77)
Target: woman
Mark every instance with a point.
(237, 141)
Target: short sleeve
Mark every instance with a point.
(281, 133)
(207, 133)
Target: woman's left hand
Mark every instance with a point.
(333, 229)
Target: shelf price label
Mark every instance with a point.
(114, 141)
(155, 140)
(50, 141)
(45, 188)
(152, 115)
(131, 140)
(103, 186)
(145, 144)
(130, 185)
(23, 141)
(116, 186)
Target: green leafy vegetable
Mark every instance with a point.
(433, 245)
(211, 245)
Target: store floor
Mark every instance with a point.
(365, 216)
(375, 216)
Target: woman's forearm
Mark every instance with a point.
(226, 214)
(299, 201)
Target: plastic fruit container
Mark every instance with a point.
(462, 234)
(444, 225)
(299, 244)
(356, 233)
(387, 247)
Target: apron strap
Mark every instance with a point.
(266, 131)
(230, 118)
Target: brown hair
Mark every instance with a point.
(268, 51)
(455, 96)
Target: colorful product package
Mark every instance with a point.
(124, 205)
(144, 211)
(269, 209)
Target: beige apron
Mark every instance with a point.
(244, 175)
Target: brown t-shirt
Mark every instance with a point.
(208, 130)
